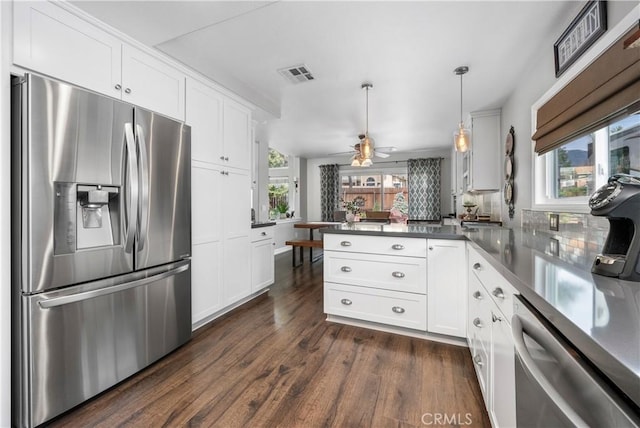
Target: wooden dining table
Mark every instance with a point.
(312, 226)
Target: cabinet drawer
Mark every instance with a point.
(408, 274)
(262, 233)
(497, 288)
(384, 245)
(382, 306)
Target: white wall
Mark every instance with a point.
(313, 178)
(536, 79)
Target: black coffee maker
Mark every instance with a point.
(619, 201)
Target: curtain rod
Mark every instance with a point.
(378, 163)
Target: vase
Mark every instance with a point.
(350, 217)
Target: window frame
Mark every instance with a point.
(539, 183)
(397, 168)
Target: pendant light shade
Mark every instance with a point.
(462, 137)
(366, 142)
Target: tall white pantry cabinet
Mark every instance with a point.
(221, 199)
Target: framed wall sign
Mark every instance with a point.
(583, 31)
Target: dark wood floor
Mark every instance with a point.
(276, 362)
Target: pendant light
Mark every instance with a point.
(462, 137)
(366, 143)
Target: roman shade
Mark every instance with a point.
(606, 90)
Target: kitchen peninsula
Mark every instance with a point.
(474, 295)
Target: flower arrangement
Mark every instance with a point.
(350, 206)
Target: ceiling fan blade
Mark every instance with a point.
(341, 153)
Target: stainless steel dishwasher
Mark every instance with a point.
(555, 385)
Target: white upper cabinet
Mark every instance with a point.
(204, 114)
(151, 83)
(52, 41)
(482, 165)
(237, 135)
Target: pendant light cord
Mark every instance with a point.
(461, 98)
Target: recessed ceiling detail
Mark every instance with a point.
(297, 73)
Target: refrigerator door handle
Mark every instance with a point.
(143, 202)
(132, 212)
(78, 297)
(536, 375)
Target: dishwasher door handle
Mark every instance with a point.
(536, 375)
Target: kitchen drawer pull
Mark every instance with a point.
(495, 318)
(221, 157)
(118, 87)
(226, 158)
(478, 323)
(478, 295)
(346, 302)
(345, 269)
(127, 91)
(398, 310)
(478, 361)
(264, 234)
(477, 266)
(397, 247)
(345, 243)
(498, 293)
(398, 274)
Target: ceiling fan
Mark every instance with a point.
(365, 150)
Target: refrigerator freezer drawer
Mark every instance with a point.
(83, 343)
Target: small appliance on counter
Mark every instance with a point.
(619, 201)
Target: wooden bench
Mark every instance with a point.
(301, 244)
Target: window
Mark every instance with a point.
(571, 173)
(374, 191)
(282, 185)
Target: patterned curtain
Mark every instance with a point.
(424, 189)
(329, 191)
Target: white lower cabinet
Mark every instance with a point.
(377, 279)
(262, 261)
(447, 287)
(206, 280)
(489, 338)
(377, 305)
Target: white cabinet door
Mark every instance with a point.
(206, 215)
(262, 264)
(235, 204)
(204, 113)
(52, 41)
(206, 280)
(485, 160)
(152, 84)
(447, 287)
(503, 381)
(236, 275)
(237, 135)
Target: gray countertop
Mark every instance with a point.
(600, 316)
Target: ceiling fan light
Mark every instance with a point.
(355, 162)
(462, 139)
(366, 162)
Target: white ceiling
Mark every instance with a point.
(408, 50)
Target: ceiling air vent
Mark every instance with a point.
(297, 73)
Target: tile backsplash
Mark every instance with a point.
(578, 234)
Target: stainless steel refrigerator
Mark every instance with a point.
(101, 245)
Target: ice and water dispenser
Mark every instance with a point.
(86, 216)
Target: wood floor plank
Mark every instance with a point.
(277, 362)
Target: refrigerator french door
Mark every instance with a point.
(101, 241)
